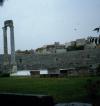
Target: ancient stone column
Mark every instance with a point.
(6, 62)
(12, 67)
(12, 45)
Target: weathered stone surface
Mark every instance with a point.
(12, 64)
(87, 58)
(73, 104)
(26, 99)
(70, 59)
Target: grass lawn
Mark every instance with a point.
(62, 89)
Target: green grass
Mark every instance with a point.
(62, 89)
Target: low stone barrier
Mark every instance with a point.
(12, 99)
(73, 104)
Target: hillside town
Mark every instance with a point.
(56, 48)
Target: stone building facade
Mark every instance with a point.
(51, 49)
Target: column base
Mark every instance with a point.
(14, 69)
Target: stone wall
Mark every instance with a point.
(71, 59)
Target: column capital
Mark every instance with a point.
(11, 26)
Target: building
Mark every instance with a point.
(92, 42)
(80, 42)
(95, 40)
(67, 44)
(52, 49)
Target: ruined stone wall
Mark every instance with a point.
(71, 59)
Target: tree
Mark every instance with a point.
(1, 2)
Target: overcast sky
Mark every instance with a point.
(41, 22)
